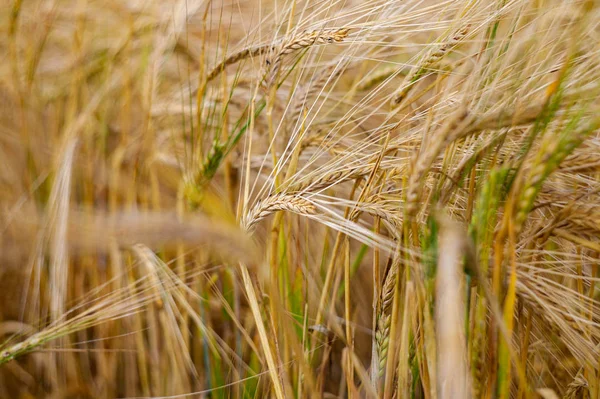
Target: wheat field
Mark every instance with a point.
(300, 198)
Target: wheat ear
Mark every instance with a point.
(432, 58)
(302, 41)
(384, 316)
(237, 57)
(274, 203)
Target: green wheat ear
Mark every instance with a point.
(482, 225)
(554, 149)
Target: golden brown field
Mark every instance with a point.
(300, 198)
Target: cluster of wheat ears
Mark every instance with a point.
(300, 198)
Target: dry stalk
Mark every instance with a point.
(302, 95)
(581, 162)
(586, 216)
(560, 313)
(334, 177)
(452, 368)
